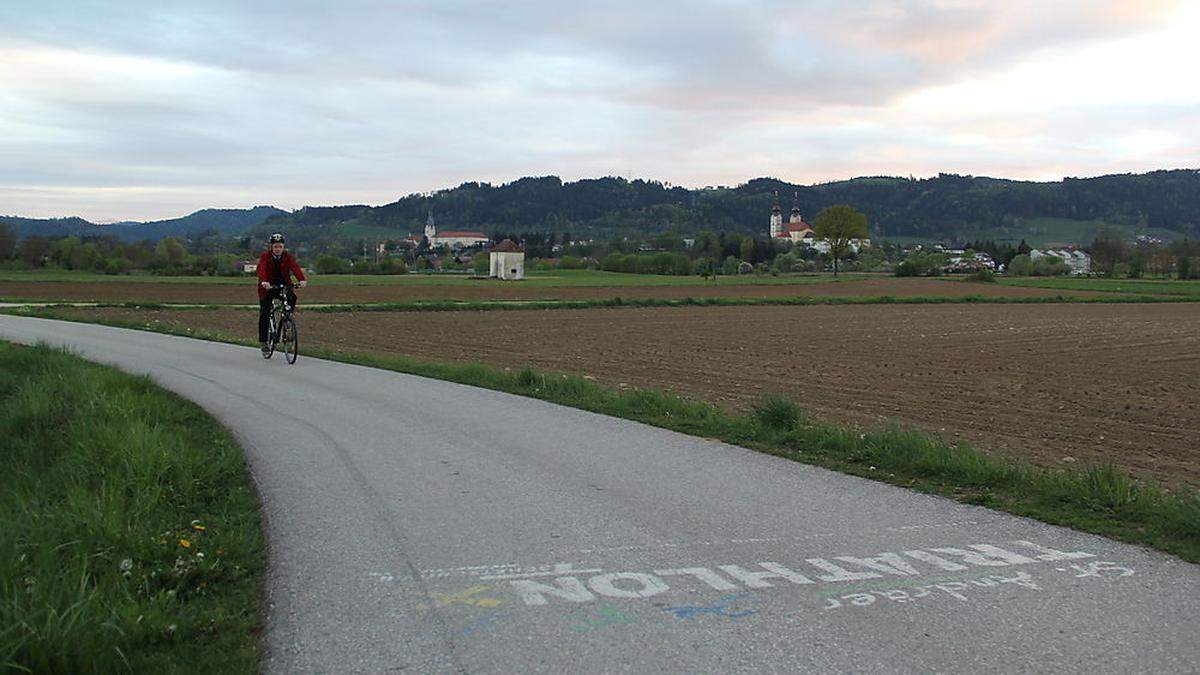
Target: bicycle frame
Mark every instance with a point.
(281, 309)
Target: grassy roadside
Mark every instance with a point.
(1096, 499)
(130, 537)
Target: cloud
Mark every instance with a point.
(315, 102)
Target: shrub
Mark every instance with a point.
(730, 266)
(1020, 266)
(778, 413)
(983, 275)
(393, 266)
(1049, 266)
(330, 264)
(921, 265)
(482, 263)
(657, 263)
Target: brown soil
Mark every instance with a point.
(101, 291)
(1056, 384)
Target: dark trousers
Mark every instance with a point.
(264, 312)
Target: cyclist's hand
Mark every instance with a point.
(301, 284)
(266, 285)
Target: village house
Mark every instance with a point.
(963, 261)
(1078, 262)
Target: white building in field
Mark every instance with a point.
(508, 261)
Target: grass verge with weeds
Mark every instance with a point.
(130, 536)
(1096, 499)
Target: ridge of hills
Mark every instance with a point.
(227, 222)
(946, 207)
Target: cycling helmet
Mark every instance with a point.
(277, 237)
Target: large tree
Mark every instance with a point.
(838, 224)
(8, 242)
(1107, 250)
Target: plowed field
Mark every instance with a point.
(1056, 384)
(102, 291)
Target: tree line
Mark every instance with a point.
(945, 207)
(109, 255)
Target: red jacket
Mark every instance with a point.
(277, 273)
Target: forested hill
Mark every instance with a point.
(224, 221)
(946, 207)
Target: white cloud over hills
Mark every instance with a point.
(147, 109)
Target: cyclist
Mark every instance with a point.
(275, 268)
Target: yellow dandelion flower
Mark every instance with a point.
(197, 527)
(185, 543)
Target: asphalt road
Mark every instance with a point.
(418, 525)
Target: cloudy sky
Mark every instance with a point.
(127, 109)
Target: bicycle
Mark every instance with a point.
(282, 327)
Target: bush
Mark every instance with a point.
(482, 263)
(778, 413)
(730, 266)
(658, 263)
(1184, 267)
(570, 262)
(1020, 266)
(921, 265)
(393, 266)
(982, 275)
(117, 266)
(330, 264)
(1049, 266)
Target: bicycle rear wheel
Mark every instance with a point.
(291, 339)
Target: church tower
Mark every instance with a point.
(776, 218)
(795, 217)
(430, 230)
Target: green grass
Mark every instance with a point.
(551, 279)
(1094, 499)
(105, 476)
(1189, 288)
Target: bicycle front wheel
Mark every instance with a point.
(274, 329)
(291, 339)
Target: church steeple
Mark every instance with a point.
(776, 218)
(430, 230)
(795, 217)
